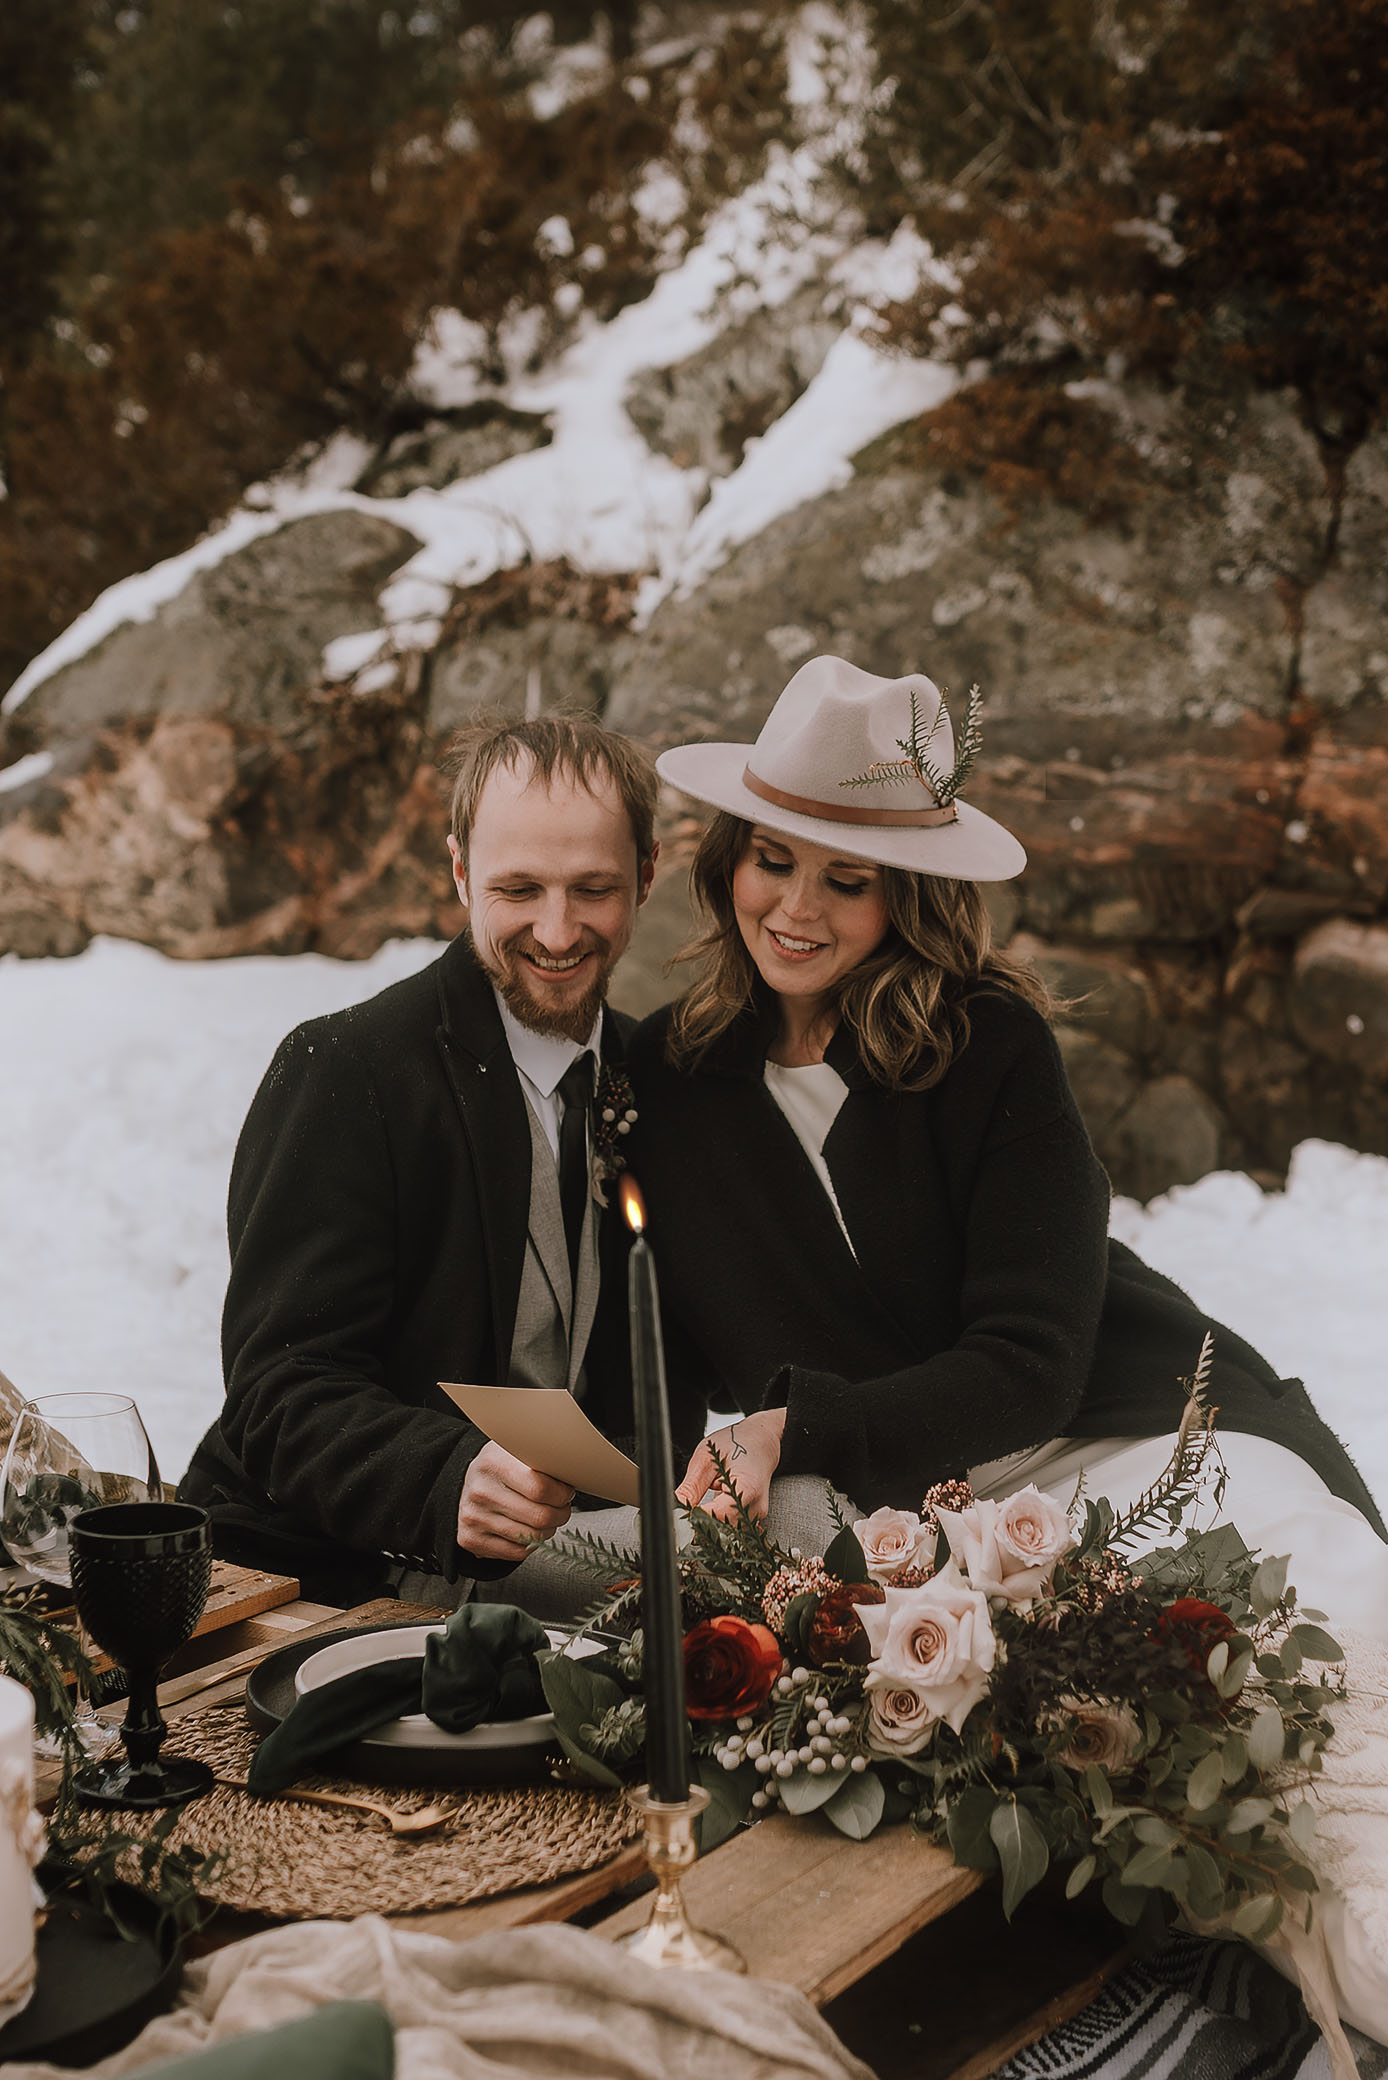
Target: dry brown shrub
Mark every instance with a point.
(555, 589)
(1031, 443)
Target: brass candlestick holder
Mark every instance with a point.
(669, 1939)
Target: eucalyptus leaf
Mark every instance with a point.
(578, 1697)
(1235, 1675)
(1156, 1832)
(1022, 1851)
(1206, 1887)
(1206, 1781)
(1234, 1758)
(730, 1801)
(967, 1825)
(1080, 1876)
(1175, 1878)
(1147, 1866)
(1124, 1903)
(857, 1805)
(1317, 1644)
(803, 1793)
(1301, 1826)
(1217, 1660)
(1269, 1582)
(1265, 1738)
(1248, 1814)
(1258, 1917)
(1100, 1791)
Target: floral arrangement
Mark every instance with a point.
(1006, 1677)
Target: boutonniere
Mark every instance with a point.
(614, 1116)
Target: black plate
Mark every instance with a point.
(95, 1990)
(270, 1695)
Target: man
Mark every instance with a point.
(399, 1214)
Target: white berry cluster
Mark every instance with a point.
(820, 1739)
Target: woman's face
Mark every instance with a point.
(807, 915)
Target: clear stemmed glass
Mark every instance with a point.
(67, 1453)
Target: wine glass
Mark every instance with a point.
(140, 1576)
(67, 1453)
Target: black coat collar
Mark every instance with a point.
(741, 1050)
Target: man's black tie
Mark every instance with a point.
(576, 1097)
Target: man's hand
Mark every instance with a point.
(505, 1502)
(750, 1448)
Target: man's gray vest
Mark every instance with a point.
(552, 1322)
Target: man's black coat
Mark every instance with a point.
(378, 1213)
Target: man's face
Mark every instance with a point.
(551, 888)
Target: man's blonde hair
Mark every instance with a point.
(575, 746)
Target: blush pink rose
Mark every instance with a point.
(892, 1539)
(1009, 1549)
(1106, 1734)
(937, 1641)
(900, 1718)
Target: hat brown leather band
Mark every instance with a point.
(840, 812)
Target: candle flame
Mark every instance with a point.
(633, 1205)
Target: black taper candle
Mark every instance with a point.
(667, 1728)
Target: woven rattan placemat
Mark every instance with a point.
(302, 1862)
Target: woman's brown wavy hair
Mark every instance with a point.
(906, 1004)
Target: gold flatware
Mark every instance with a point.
(202, 1679)
(424, 1821)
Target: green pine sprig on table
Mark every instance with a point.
(98, 1859)
(916, 764)
(49, 1660)
(93, 1857)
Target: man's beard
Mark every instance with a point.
(514, 984)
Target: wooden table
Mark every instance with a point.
(801, 1902)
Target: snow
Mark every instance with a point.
(858, 394)
(126, 1077)
(36, 766)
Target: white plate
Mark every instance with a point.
(415, 1730)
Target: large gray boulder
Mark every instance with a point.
(243, 640)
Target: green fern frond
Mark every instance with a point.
(597, 1555)
(1179, 1482)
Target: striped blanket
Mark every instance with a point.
(1194, 2011)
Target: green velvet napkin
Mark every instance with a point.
(346, 2040)
(481, 1666)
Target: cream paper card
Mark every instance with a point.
(546, 1428)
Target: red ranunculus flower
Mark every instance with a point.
(729, 1667)
(835, 1632)
(1195, 1627)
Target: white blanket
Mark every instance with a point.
(543, 2003)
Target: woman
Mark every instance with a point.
(884, 1231)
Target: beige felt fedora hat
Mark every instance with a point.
(864, 765)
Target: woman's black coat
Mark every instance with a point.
(982, 1309)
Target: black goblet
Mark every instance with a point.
(140, 1576)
